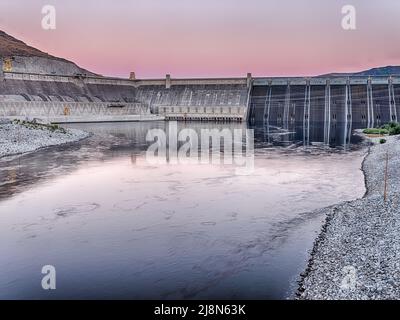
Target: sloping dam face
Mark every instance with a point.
(189, 99)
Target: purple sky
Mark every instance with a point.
(193, 38)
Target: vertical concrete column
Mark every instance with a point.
(392, 101)
(168, 81)
(248, 80)
(267, 105)
(346, 102)
(286, 109)
(327, 112)
(306, 116)
(348, 114)
(249, 112)
(370, 104)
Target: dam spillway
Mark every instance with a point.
(324, 109)
(366, 101)
(180, 99)
(351, 101)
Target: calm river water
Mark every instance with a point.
(114, 226)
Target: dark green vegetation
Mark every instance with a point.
(35, 125)
(392, 128)
(375, 131)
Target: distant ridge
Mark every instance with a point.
(379, 71)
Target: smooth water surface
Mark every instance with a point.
(116, 227)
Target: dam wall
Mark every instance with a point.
(225, 102)
(352, 102)
(180, 99)
(69, 112)
(34, 87)
(348, 102)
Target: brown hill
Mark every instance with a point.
(30, 59)
(10, 46)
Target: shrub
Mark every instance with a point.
(40, 126)
(395, 130)
(382, 141)
(380, 131)
(392, 128)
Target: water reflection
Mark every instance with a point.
(117, 140)
(338, 135)
(115, 227)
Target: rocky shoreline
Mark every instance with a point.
(357, 254)
(19, 138)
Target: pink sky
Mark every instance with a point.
(211, 38)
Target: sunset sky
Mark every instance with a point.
(215, 38)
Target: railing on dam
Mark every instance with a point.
(203, 113)
(99, 80)
(54, 109)
(323, 80)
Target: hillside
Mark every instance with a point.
(28, 59)
(10, 46)
(383, 71)
(379, 71)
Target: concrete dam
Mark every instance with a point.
(349, 101)
(88, 98)
(325, 109)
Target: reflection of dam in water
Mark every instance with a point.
(296, 135)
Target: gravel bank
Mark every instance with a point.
(357, 255)
(17, 138)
